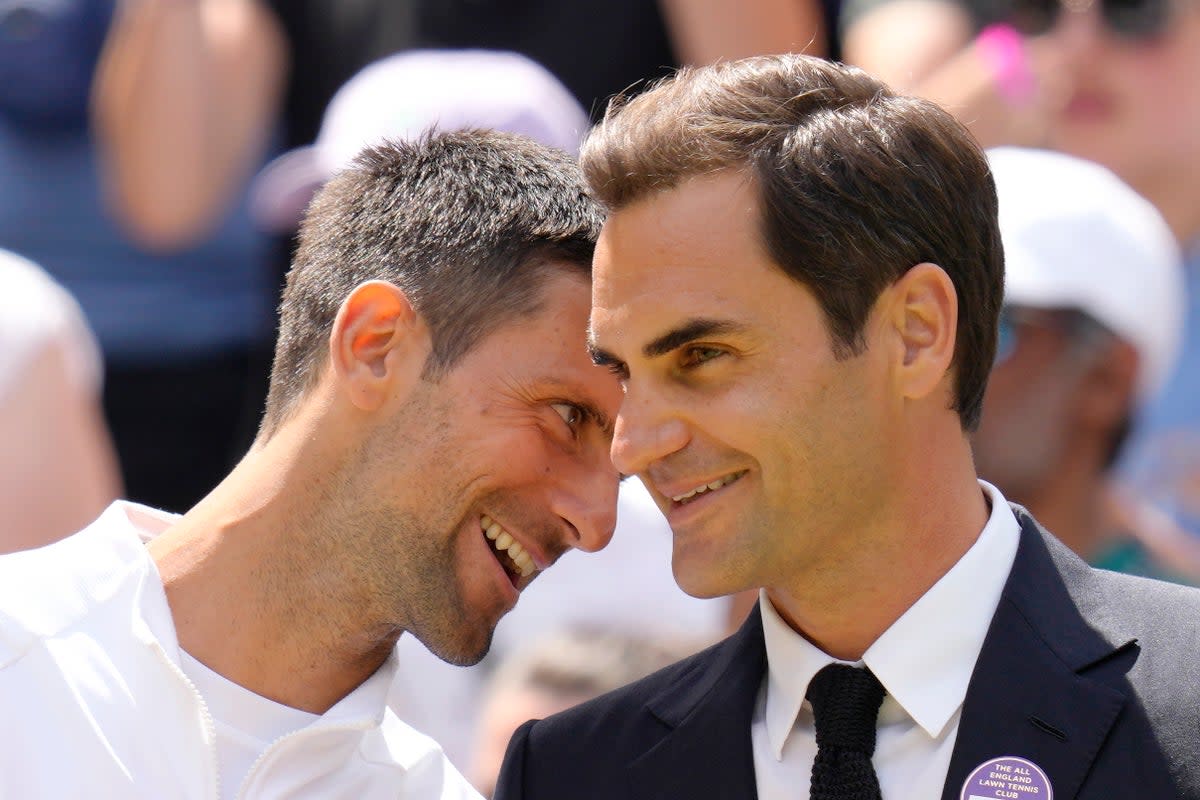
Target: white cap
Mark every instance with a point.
(402, 96)
(1075, 236)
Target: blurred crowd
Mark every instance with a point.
(156, 157)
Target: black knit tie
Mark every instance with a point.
(845, 703)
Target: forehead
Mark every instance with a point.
(545, 351)
(554, 329)
(691, 251)
(703, 219)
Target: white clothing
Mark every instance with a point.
(628, 587)
(37, 313)
(245, 724)
(924, 661)
(95, 703)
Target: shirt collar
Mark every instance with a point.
(364, 706)
(925, 659)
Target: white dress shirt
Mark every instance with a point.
(924, 661)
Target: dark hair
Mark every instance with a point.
(856, 184)
(467, 223)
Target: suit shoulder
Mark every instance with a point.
(1140, 597)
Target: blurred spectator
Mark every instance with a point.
(554, 672)
(597, 48)
(399, 97)
(601, 47)
(185, 95)
(1089, 332)
(170, 274)
(1037, 72)
(57, 468)
(964, 55)
(1131, 73)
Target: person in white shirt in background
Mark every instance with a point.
(58, 469)
(435, 435)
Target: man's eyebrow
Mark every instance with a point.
(600, 356)
(690, 331)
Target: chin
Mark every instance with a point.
(460, 651)
(702, 582)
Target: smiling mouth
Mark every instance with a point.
(507, 550)
(705, 488)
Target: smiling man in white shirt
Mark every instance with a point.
(435, 435)
(798, 284)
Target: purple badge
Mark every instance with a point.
(1007, 778)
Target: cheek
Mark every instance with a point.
(1158, 85)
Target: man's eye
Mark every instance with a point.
(694, 356)
(570, 413)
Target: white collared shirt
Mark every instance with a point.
(89, 664)
(924, 661)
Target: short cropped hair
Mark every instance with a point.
(468, 224)
(856, 185)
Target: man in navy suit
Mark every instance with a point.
(799, 284)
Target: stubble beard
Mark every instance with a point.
(419, 585)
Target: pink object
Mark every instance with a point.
(1002, 47)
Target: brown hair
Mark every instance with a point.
(856, 184)
(467, 223)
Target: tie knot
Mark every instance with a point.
(845, 703)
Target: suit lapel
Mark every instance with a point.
(707, 750)
(1027, 696)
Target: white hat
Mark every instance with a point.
(1075, 236)
(403, 95)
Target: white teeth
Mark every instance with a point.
(706, 487)
(503, 542)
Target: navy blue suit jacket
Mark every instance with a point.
(1093, 676)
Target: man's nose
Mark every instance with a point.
(646, 431)
(1077, 30)
(587, 502)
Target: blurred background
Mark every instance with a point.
(156, 157)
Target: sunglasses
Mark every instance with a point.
(1135, 20)
(1076, 325)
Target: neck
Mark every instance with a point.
(251, 593)
(918, 533)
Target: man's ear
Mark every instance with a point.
(922, 315)
(377, 343)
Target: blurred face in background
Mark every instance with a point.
(1026, 422)
(1035, 412)
(1130, 100)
